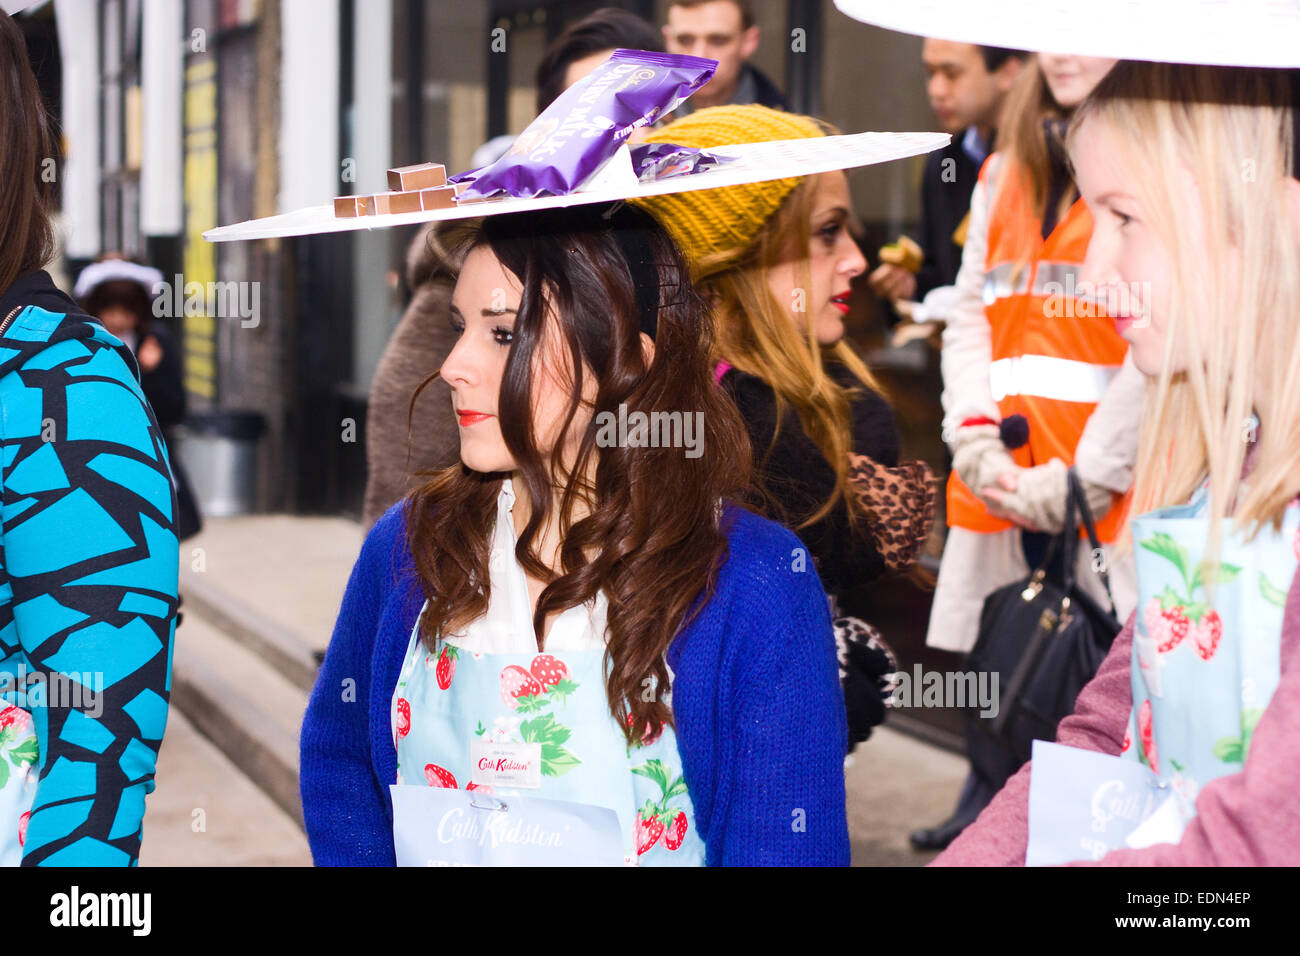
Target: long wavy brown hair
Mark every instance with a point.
(26, 237)
(651, 538)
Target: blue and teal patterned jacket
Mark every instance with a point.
(88, 574)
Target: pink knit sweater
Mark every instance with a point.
(1250, 818)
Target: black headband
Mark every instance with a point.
(1295, 123)
(635, 243)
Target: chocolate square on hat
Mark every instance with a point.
(421, 176)
(442, 197)
(386, 203)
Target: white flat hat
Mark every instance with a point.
(1263, 33)
(750, 163)
(116, 270)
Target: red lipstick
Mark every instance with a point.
(469, 417)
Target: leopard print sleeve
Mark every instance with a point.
(899, 504)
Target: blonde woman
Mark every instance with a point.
(1189, 173)
(776, 260)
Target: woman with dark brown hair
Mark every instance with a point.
(608, 647)
(405, 437)
(87, 542)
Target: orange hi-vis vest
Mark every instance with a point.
(1053, 354)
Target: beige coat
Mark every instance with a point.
(422, 340)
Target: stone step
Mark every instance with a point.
(287, 652)
(241, 702)
(206, 812)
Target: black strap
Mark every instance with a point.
(1066, 540)
(1295, 122)
(1069, 536)
(635, 244)
(1078, 496)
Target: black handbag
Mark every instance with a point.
(1045, 640)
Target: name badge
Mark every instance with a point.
(512, 765)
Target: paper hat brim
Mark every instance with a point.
(15, 7)
(751, 163)
(1262, 33)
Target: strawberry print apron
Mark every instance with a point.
(537, 726)
(1204, 668)
(19, 754)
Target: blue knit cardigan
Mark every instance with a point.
(756, 699)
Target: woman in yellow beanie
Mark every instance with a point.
(776, 260)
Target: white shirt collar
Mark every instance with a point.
(506, 501)
(507, 627)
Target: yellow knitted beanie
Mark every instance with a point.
(706, 221)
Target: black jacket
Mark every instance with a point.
(946, 188)
(798, 478)
(767, 93)
(164, 386)
(752, 86)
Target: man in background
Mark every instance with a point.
(722, 30)
(966, 85)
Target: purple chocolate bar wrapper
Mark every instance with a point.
(655, 161)
(585, 126)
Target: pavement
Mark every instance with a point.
(261, 594)
(897, 784)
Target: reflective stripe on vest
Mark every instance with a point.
(1051, 278)
(998, 282)
(1057, 278)
(1064, 380)
(1052, 350)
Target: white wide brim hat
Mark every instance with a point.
(117, 270)
(750, 163)
(1261, 33)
